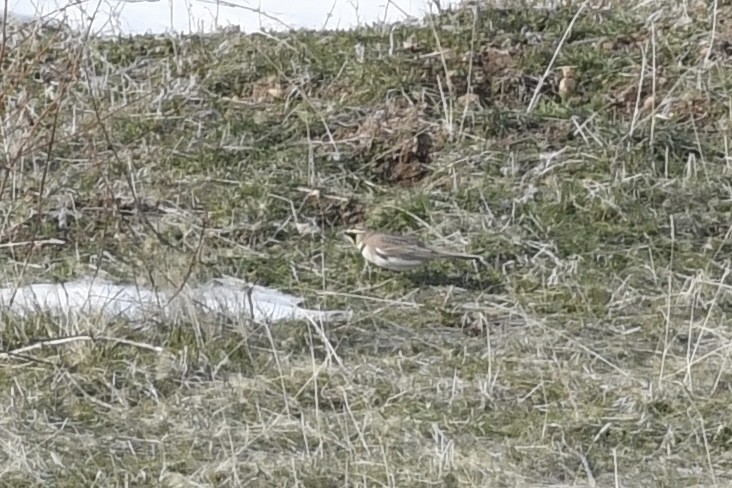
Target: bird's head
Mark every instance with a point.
(355, 235)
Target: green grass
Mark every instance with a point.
(593, 352)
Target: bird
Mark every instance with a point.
(399, 252)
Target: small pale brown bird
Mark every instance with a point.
(399, 253)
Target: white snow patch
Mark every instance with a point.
(228, 298)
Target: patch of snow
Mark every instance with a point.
(228, 298)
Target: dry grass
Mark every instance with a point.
(595, 352)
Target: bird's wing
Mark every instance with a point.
(404, 245)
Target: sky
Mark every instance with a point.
(111, 17)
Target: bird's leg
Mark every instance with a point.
(366, 269)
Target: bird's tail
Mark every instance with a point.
(459, 255)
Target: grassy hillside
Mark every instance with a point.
(584, 151)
